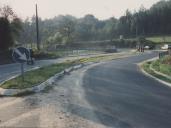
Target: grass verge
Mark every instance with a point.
(35, 77)
(146, 67)
(99, 58)
(162, 65)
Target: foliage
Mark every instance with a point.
(6, 39)
(155, 21)
(45, 55)
(166, 60)
(146, 67)
(163, 65)
(68, 29)
(10, 26)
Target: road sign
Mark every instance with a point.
(21, 54)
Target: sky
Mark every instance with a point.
(101, 9)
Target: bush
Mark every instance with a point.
(44, 55)
(166, 60)
(156, 65)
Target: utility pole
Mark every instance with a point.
(37, 30)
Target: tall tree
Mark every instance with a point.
(6, 39)
(10, 26)
(67, 28)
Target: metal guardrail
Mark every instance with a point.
(163, 54)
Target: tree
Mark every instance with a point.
(10, 26)
(6, 39)
(87, 28)
(27, 35)
(109, 29)
(7, 12)
(16, 27)
(144, 22)
(67, 28)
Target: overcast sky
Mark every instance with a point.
(102, 9)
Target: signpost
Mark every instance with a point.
(21, 55)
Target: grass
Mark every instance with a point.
(159, 39)
(99, 58)
(92, 59)
(146, 67)
(162, 66)
(32, 78)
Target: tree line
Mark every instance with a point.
(147, 22)
(64, 29)
(67, 29)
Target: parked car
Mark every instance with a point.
(147, 47)
(166, 46)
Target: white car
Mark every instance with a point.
(166, 46)
(147, 47)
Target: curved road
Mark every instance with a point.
(114, 94)
(125, 98)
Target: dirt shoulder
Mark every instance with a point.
(64, 106)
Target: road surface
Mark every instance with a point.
(109, 95)
(125, 98)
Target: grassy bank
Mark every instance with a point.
(163, 65)
(159, 66)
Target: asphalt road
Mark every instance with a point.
(125, 98)
(114, 94)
